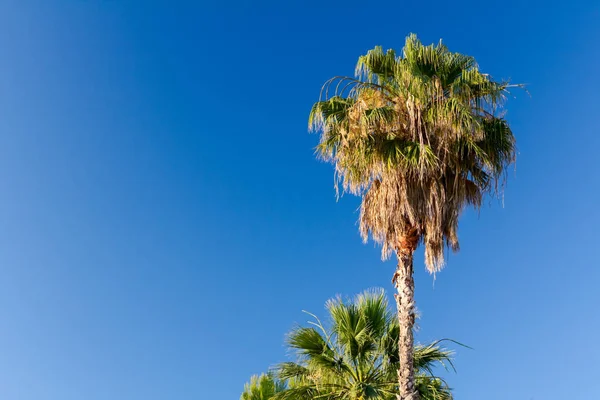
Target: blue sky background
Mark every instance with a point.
(164, 222)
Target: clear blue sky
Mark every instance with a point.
(164, 222)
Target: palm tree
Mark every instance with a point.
(356, 357)
(419, 137)
(263, 387)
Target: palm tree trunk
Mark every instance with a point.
(405, 302)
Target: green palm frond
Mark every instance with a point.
(263, 387)
(292, 370)
(432, 388)
(376, 63)
(426, 357)
(312, 346)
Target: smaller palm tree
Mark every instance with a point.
(356, 356)
(263, 387)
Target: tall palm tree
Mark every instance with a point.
(419, 136)
(263, 387)
(356, 356)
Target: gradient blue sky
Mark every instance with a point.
(164, 222)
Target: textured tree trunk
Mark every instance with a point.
(405, 303)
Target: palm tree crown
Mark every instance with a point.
(355, 357)
(419, 136)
